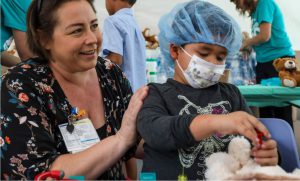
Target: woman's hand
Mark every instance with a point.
(245, 45)
(266, 154)
(127, 132)
(239, 123)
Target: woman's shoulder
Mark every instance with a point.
(110, 72)
(34, 68)
(106, 66)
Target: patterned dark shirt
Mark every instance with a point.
(170, 149)
(33, 105)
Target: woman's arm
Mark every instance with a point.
(93, 161)
(98, 158)
(21, 44)
(263, 36)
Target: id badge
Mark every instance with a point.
(83, 136)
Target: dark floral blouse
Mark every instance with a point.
(33, 105)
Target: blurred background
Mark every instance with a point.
(148, 12)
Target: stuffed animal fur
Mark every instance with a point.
(288, 73)
(238, 165)
(151, 40)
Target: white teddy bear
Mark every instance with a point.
(237, 164)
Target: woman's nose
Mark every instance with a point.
(91, 37)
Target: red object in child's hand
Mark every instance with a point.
(260, 136)
(53, 174)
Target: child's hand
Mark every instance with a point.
(266, 154)
(240, 123)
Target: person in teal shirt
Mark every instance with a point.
(270, 41)
(13, 27)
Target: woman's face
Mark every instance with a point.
(211, 53)
(76, 40)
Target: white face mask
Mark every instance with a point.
(201, 73)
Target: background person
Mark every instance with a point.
(40, 98)
(193, 115)
(123, 42)
(13, 27)
(270, 41)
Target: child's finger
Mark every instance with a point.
(259, 126)
(269, 144)
(266, 161)
(248, 132)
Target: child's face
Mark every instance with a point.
(211, 53)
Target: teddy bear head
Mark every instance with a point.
(285, 64)
(288, 73)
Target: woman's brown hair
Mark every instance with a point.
(41, 21)
(248, 7)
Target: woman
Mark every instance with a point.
(193, 115)
(270, 41)
(56, 108)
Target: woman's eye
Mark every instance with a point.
(77, 31)
(94, 26)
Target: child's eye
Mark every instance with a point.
(204, 54)
(221, 58)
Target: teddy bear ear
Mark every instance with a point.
(276, 62)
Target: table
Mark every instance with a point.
(261, 96)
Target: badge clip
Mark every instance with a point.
(74, 116)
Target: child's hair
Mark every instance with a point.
(198, 22)
(131, 2)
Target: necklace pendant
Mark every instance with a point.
(70, 128)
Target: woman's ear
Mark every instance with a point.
(174, 51)
(44, 40)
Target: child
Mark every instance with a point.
(123, 42)
(193, 115)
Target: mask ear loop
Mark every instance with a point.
(186, 52)
(175, 48)
(179, 66)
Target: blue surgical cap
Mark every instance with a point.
(198, 21)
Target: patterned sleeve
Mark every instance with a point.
(27, 142)
(125, 86)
